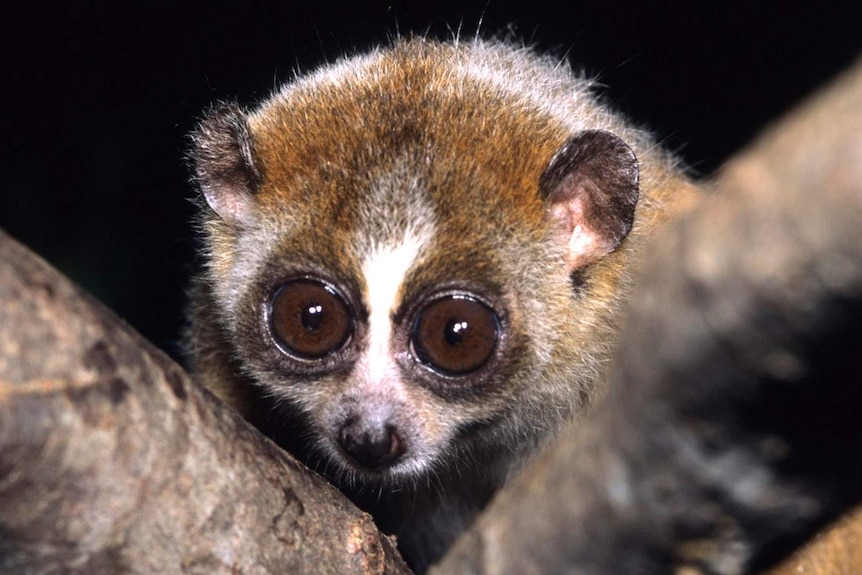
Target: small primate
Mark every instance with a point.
(415, 264)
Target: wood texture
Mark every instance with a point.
(113, 461)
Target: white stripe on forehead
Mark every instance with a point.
(384, 271)
(396, 222)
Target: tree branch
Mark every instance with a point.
(731, 430)
(113, 461)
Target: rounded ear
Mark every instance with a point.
(591, 186)
(224, 165)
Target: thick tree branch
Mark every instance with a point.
(113, 461)
(731, 429)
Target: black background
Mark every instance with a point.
(97, 99)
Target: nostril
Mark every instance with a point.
(371, 448)
(396, 444)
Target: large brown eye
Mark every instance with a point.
(455, 335)
(309, 319)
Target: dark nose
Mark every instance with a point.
(373, 447)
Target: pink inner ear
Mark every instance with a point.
(233, 206)
(584, 244)
(591, 185)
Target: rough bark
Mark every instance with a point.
(730, 431)
(732, 428)
(113, 461)
(833, 551)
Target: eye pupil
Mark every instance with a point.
(309, 319)
(455, 335)
(455, 332)
(312, 317)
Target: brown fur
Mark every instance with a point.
(352, 157)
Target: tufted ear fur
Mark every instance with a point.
(591, 186)
(224, 165)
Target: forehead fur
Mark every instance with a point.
(418, 136)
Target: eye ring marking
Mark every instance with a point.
(455, 335)
(309, 319)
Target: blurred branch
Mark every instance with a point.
(731, 429)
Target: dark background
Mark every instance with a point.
(97, 100)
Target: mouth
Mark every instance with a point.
(385, 469)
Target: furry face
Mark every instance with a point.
(414, 265)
